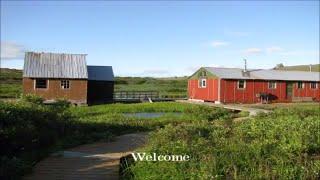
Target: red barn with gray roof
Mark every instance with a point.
(235, 85)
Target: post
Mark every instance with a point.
(245, 65)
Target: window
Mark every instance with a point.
(300, 85)
(241, 84)
(41, 84)
(203, 83)
(272, 84)
(204, 73)
(65, 84)
(313, 85)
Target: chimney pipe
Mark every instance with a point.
(245, 65)
(310, 67)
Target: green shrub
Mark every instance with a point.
(281, 145)
(31, 98)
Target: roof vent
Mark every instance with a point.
(245, 71)
(245, 65)
(310, 67)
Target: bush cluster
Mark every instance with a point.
(281, 145)
(29, 130)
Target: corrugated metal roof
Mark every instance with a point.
(236, 73)
(55, 65)
(100, 73)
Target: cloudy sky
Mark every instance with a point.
(162, 38)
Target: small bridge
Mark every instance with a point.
(142, 96)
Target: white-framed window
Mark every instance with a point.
(202, 83)
(203, 73)
(272, 85)
(65, 84)
(41, 83)
(313, 85)
(241, 84)
(300, 85)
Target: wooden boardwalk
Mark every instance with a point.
(252, 111)
(92, 161)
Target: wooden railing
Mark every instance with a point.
(135, 95)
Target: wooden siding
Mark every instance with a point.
(77, 93)
(229, 93)
(209, 93)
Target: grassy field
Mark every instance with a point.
(282, 145)
(167, 87)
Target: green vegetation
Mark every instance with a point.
(10, 83)
(282, 145)
(167, 87)
(31, 130)
(114, 115)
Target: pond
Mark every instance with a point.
(151, 114)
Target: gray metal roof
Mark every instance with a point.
(54, 65)
(100, 73)
(237, 73)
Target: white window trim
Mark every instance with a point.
(298, 85)
(244, 84)
(65, 88)
(316, 85)
(200, 83)
(275, 84)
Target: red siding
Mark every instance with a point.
(229, 93)
(307, 91)
(210, 93)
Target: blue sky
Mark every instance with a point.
(159, 38)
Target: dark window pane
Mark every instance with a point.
(41, 83)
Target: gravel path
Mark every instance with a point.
(90, 161)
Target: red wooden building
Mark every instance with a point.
(234, 85)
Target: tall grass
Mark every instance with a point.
(282, 145)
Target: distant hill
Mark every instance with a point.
(314, 67)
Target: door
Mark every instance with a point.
(289, 89)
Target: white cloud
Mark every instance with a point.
(253, 51)
(218, 43)
(273, 49)
(11, 50)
